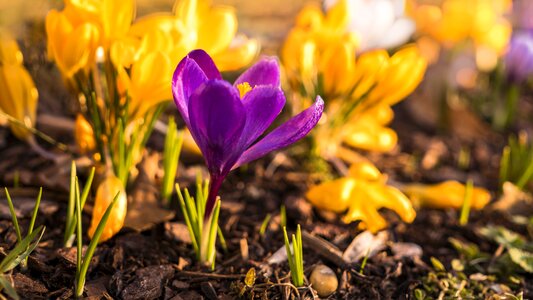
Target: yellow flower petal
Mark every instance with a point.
(18, 95)
(369, 67)
(405, 71)
(363, 193)
(217, 29)
(84, 135)
(337, 67)
(73, 48)
(369, 135)
(364, 170)
(149, 84)
(104, 196)
(116, 18)
(448, 194)
(333, 195)
(245, 49)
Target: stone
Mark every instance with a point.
(324, 280)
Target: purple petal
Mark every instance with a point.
(217, 118)
(262, 104)
(206, 63)
(519, 58)
(193, 70)
(264, 72)
(286, 134)
(188, 76)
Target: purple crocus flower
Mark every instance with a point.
(519, 57)
(226, 120)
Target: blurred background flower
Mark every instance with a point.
(519, 57)
(18, 95)
(377, 23)
(319, 56)
(451, 23)
(361, 194)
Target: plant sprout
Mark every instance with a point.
(173, 143)
(23, 248)
(69, 236)
(19, 254)
(82, 262)
(203, 231)
(295, 257)
(15, 220)
(467, 203)
(516, 164)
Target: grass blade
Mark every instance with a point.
(80, 282)
(79, 235)
(8, 288)
(213, 235)
(187, 219)
(22, 250)
(67, 241)
(35, 210)
(264, 225)
(13, 216)
(467, 203)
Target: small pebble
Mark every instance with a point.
(324, 280)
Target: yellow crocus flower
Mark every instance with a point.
(454, 21)
(199, 24)
(448, 194)
(75, 33)
(72, 46)
(104, 196)
(147, 55)
(361, 194)
(18, 95)
(319, 57)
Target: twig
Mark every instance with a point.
(207, 275)
(323, 248)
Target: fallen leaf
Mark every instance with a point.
(145, 209)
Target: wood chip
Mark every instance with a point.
(244, 249)
(365, 244)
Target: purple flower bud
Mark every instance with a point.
(519, 57)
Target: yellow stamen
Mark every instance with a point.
(244, 88)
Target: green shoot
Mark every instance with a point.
(222, 240)
(35, 210)
(21, 251)
(5, 284)
(71, 218)
(264, 225)
(17, 255)
(363, 263)
(467, 203)
(463, 160)
(283, 216)
(13, 215)
(203, 232)
(16, 179)
(516, 164)
(295, 257)
(173, 143)
(82, 265)
(15, 220)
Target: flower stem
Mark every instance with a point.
(214, 185)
